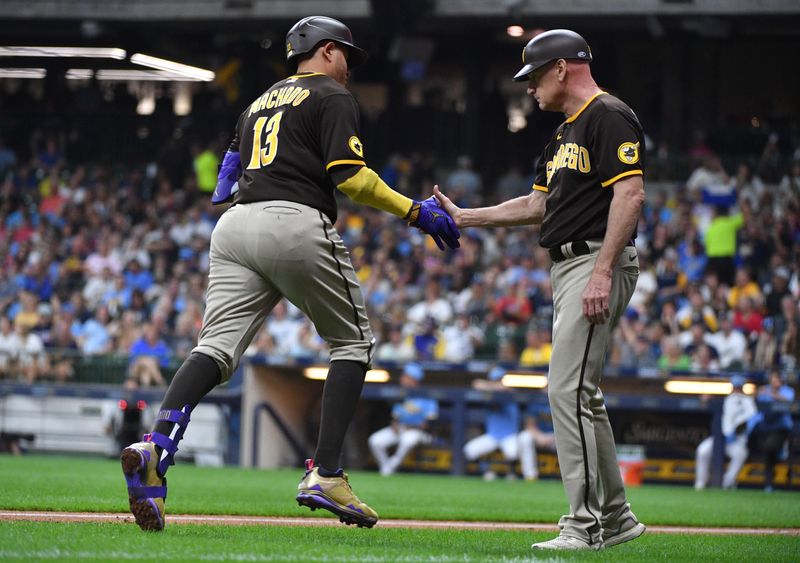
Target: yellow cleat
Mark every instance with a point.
(334, 494)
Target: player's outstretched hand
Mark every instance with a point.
(429, 217)
(444, 202)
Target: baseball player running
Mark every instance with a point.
(587, 196)
(292, 147)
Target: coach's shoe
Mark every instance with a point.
(147, 491)
(567, 543)
(334, 494)
(618, 536)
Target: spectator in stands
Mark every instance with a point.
(205, 164)
(692, 260)
(747, 319)
(514, 307)
(769, 165)
(9, 288)
(184, 337)
(97, 287)
(744, 286)
(672, 357)
(104, 257)
(9, 346)
(262, 346)
(26, 312)
(428, 342)
(748, 186)
(309, 344)
(36, 280)
(669, 278)
(669, 319)
(646, 287)
(459, 340)
(284, 329)
(789, 189)
(766, 350)
(773, 425)
(776, 291)
(692, 339)
(790, 346)
(61, 348)
(720, 241)
(704, 360)
(731, 345)
(148, 356)
(737, 411)
(50, 156)
(136, 277)
(511, 184)
(463, 183)
(697, 311)
(92, 335)
(538, 347)
(32, 362)
(409, 427)
(503, 432)
(434, 306)
(397, 348)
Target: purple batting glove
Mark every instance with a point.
(429, 217)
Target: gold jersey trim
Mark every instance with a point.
(338, 162)
(539, 188)
(305, 75)
(620, 176)
(583, 107)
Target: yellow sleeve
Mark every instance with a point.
(366, 187)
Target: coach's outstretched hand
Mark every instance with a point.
(428, 216)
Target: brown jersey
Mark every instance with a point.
(292, 136)
(600, 144)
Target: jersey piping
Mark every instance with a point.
(338, 162)
(620, 176)
(575, 115)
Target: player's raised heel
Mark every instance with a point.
(144, 471)
(335, 495)
(146, 490)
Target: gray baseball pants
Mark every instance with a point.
(263, 251)
(584, 439)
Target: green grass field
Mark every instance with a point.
(75, 484)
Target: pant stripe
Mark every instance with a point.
(580, 429)
(344, 279)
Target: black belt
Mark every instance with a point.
(579, 248)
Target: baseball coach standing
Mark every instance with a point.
(587, 196)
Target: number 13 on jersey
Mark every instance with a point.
(264, 156)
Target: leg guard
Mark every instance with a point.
(169, 445)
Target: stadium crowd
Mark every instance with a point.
(99, 259)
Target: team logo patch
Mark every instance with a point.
(628, 153)
(356, 146)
